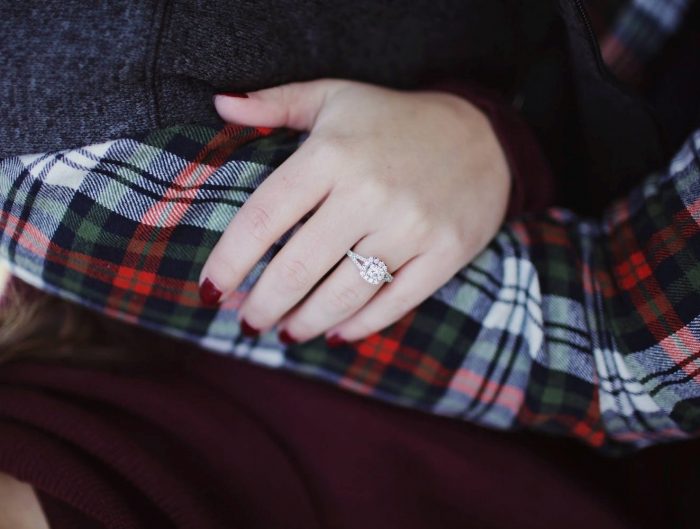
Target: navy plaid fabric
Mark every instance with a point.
(633, 32)
(565, 325)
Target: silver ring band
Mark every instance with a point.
(372, 269)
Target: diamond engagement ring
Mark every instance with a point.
(372, 269)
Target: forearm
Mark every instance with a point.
(599, 317)
(533, 186)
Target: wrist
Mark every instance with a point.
(532, 184)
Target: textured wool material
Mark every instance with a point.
(206, 442)
(73, 76)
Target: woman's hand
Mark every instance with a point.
(417, 179)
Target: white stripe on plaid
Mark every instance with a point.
(521, 327)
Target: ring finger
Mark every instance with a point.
(343, 292)
(300, 265)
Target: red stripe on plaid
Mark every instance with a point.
(677, 345)
(648, 296)
(33, 239)
(522, 233)
(605, 283)
(556, 235)
(588, 427)
(144, 251)
(545, 233)
(469, 383)
(633, 271)
(137, 280)
(666, 243)
(377, 352)
(620, 58)
(693, 210)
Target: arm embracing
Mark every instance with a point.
(569, 326)
(591, 328)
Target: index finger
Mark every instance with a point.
(281, 201)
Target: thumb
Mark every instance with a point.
(293, 105)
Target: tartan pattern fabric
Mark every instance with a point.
(633, 32)
(565, 325)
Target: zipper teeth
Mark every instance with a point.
(614, 81)
(593, 40)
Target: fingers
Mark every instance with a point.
(294, 105)
(301, 264)
(416, 281)
(343, 293)
(276, 205)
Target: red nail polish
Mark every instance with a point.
(249, 330)
(334, 340)
(286, 338)
(233, 94)
(208, 293)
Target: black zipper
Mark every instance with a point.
(592, 39)
(610, 78)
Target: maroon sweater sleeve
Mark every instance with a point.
(211, 442)
(533, 187)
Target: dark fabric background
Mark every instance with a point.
(205, 441)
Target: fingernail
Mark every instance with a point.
(286, 338)
(233, 94)
(249, 330)
(334, 340)
(208, 293)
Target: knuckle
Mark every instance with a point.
(377, 188)
(295, 275)
(419, 220)
(332, 146)
(453, 238)
(422, 230)
(374, 194)
(258, 222)
(453, 247)
(344, 300)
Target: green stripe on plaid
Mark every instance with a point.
(564, 325)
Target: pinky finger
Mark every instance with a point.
(415, 282)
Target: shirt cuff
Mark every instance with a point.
(533, 187)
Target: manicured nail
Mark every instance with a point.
(334, 340)
(286, 338)
(208, 293)
(249, 330)
(233, 94)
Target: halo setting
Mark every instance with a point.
(372, 269)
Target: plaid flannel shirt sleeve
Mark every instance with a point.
(563, 325)
(632, 33)
(610, 313)
(578, 327)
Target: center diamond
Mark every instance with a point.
(373, 270)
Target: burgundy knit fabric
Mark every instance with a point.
(213, 442)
